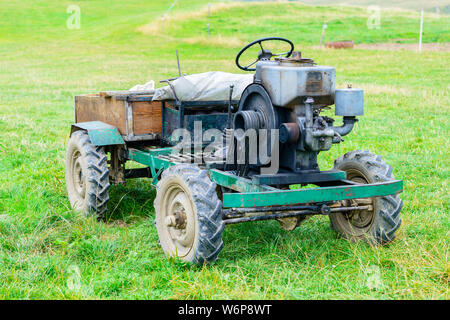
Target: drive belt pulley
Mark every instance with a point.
(255, 112)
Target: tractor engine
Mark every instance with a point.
(289, 94)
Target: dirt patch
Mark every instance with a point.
(441, 47)
(340, 44)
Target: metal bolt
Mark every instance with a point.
(180, 219)
(170, 221)
(324, 209)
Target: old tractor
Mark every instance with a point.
(267, 168)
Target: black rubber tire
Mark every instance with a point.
(95, 173)
(386, 214)
(201, 191)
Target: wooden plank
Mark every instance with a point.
(147, 117)
(96, 108)
(125, 93)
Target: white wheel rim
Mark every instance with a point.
(78, 178)
(178, 220)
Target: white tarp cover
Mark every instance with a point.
(144, 87)
(209, 86)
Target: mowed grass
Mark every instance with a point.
(48, 251)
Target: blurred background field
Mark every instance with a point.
(429, 5)
(48, 251)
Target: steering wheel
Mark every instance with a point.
(263, 54)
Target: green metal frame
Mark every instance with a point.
(311, 195)
(151, 159)
(100, 133)
(251, 195)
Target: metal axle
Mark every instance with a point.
(233, 216)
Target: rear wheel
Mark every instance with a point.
(87, 175)
(378, 223)
(188, 214)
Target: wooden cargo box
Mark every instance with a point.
(134, 114)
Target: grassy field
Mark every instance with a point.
(429, 5)
(48, 251)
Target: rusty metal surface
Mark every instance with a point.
(277, 214)
(289, 132)
(289, 84)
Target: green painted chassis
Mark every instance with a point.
(249, 195)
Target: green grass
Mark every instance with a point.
(429, 5)
(303, 24)
(45, 247)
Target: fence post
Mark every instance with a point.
(323, 33)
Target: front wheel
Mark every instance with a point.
(87, 175)
(188, 214)
(378, 223)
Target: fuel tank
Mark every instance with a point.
(290, 80)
